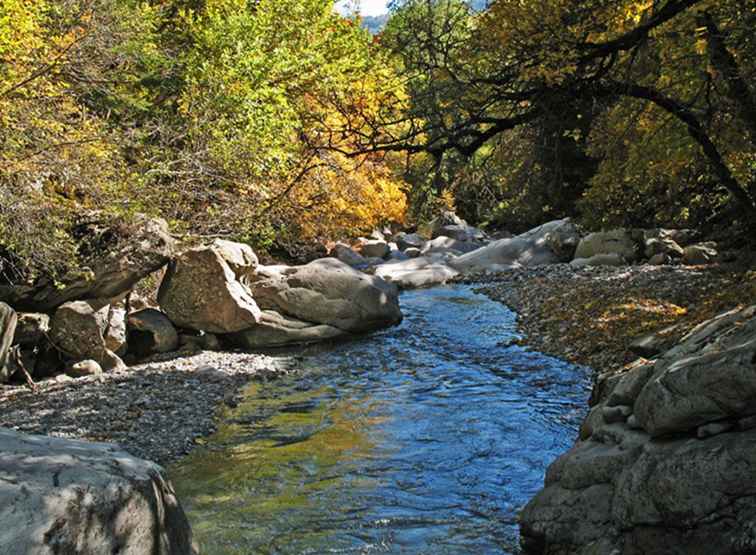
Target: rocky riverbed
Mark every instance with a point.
(593, 315)
(157, 410)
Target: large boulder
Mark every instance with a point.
(61, 496)
(327, 291)
(79, 329)
(200, 291)
(139, 249)
(423, 271)
(150, 331)
(278, 330)
(623, 488)
(8, 319)
(709, 376)
(547, 244)
(616, 241)
(660, 242)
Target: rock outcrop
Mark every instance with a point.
(143, 248)
(278, 330)
(423, 271)
(202, 292)
(666, 457)
(63, 496)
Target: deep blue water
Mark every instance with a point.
(423, 439)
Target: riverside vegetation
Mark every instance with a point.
(181, 178)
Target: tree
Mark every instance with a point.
(506, 67)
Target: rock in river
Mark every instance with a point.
(63, 496)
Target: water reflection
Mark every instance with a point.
(423, 439)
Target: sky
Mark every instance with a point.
(367, 7)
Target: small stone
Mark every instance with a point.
(713, 429)
(84, 368)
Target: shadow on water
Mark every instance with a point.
(422, 439)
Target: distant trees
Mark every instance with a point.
(648, 104)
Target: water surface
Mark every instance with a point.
(422, 439)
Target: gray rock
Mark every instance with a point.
(78, 329)
(612, 259)
(618, 242)
(412, 252)
(201, 292)
(398, 255)
(423, 271)
(146, 248)
(445, 218)
(661, 245)
(651, 344)
(660, 260)
(464, 233)
(329, 292)
(31, 329)
(276, 330)
(708, 377)
(63, 496)
(546, 244)
(239, 256)
(84, 368)
(375, 249)
(409, 240)
(8, 319)
(348, 256)
(150, 332)
(622, 490)
(713, 429)
(115, 330)
(702, 253)
(447, 245)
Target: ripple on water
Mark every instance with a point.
(422, 439)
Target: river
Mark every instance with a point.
(426, 438)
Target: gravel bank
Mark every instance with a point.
(591, 315)
(155, 410)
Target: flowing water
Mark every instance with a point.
(422, 439)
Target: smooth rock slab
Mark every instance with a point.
(60, 496)
(327, 291)
(277, 330)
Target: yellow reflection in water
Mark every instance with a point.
(273, 465)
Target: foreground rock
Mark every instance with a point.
(654, 471)
(327, 292)
(201, 290)
(62, 496)
(144, 247)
